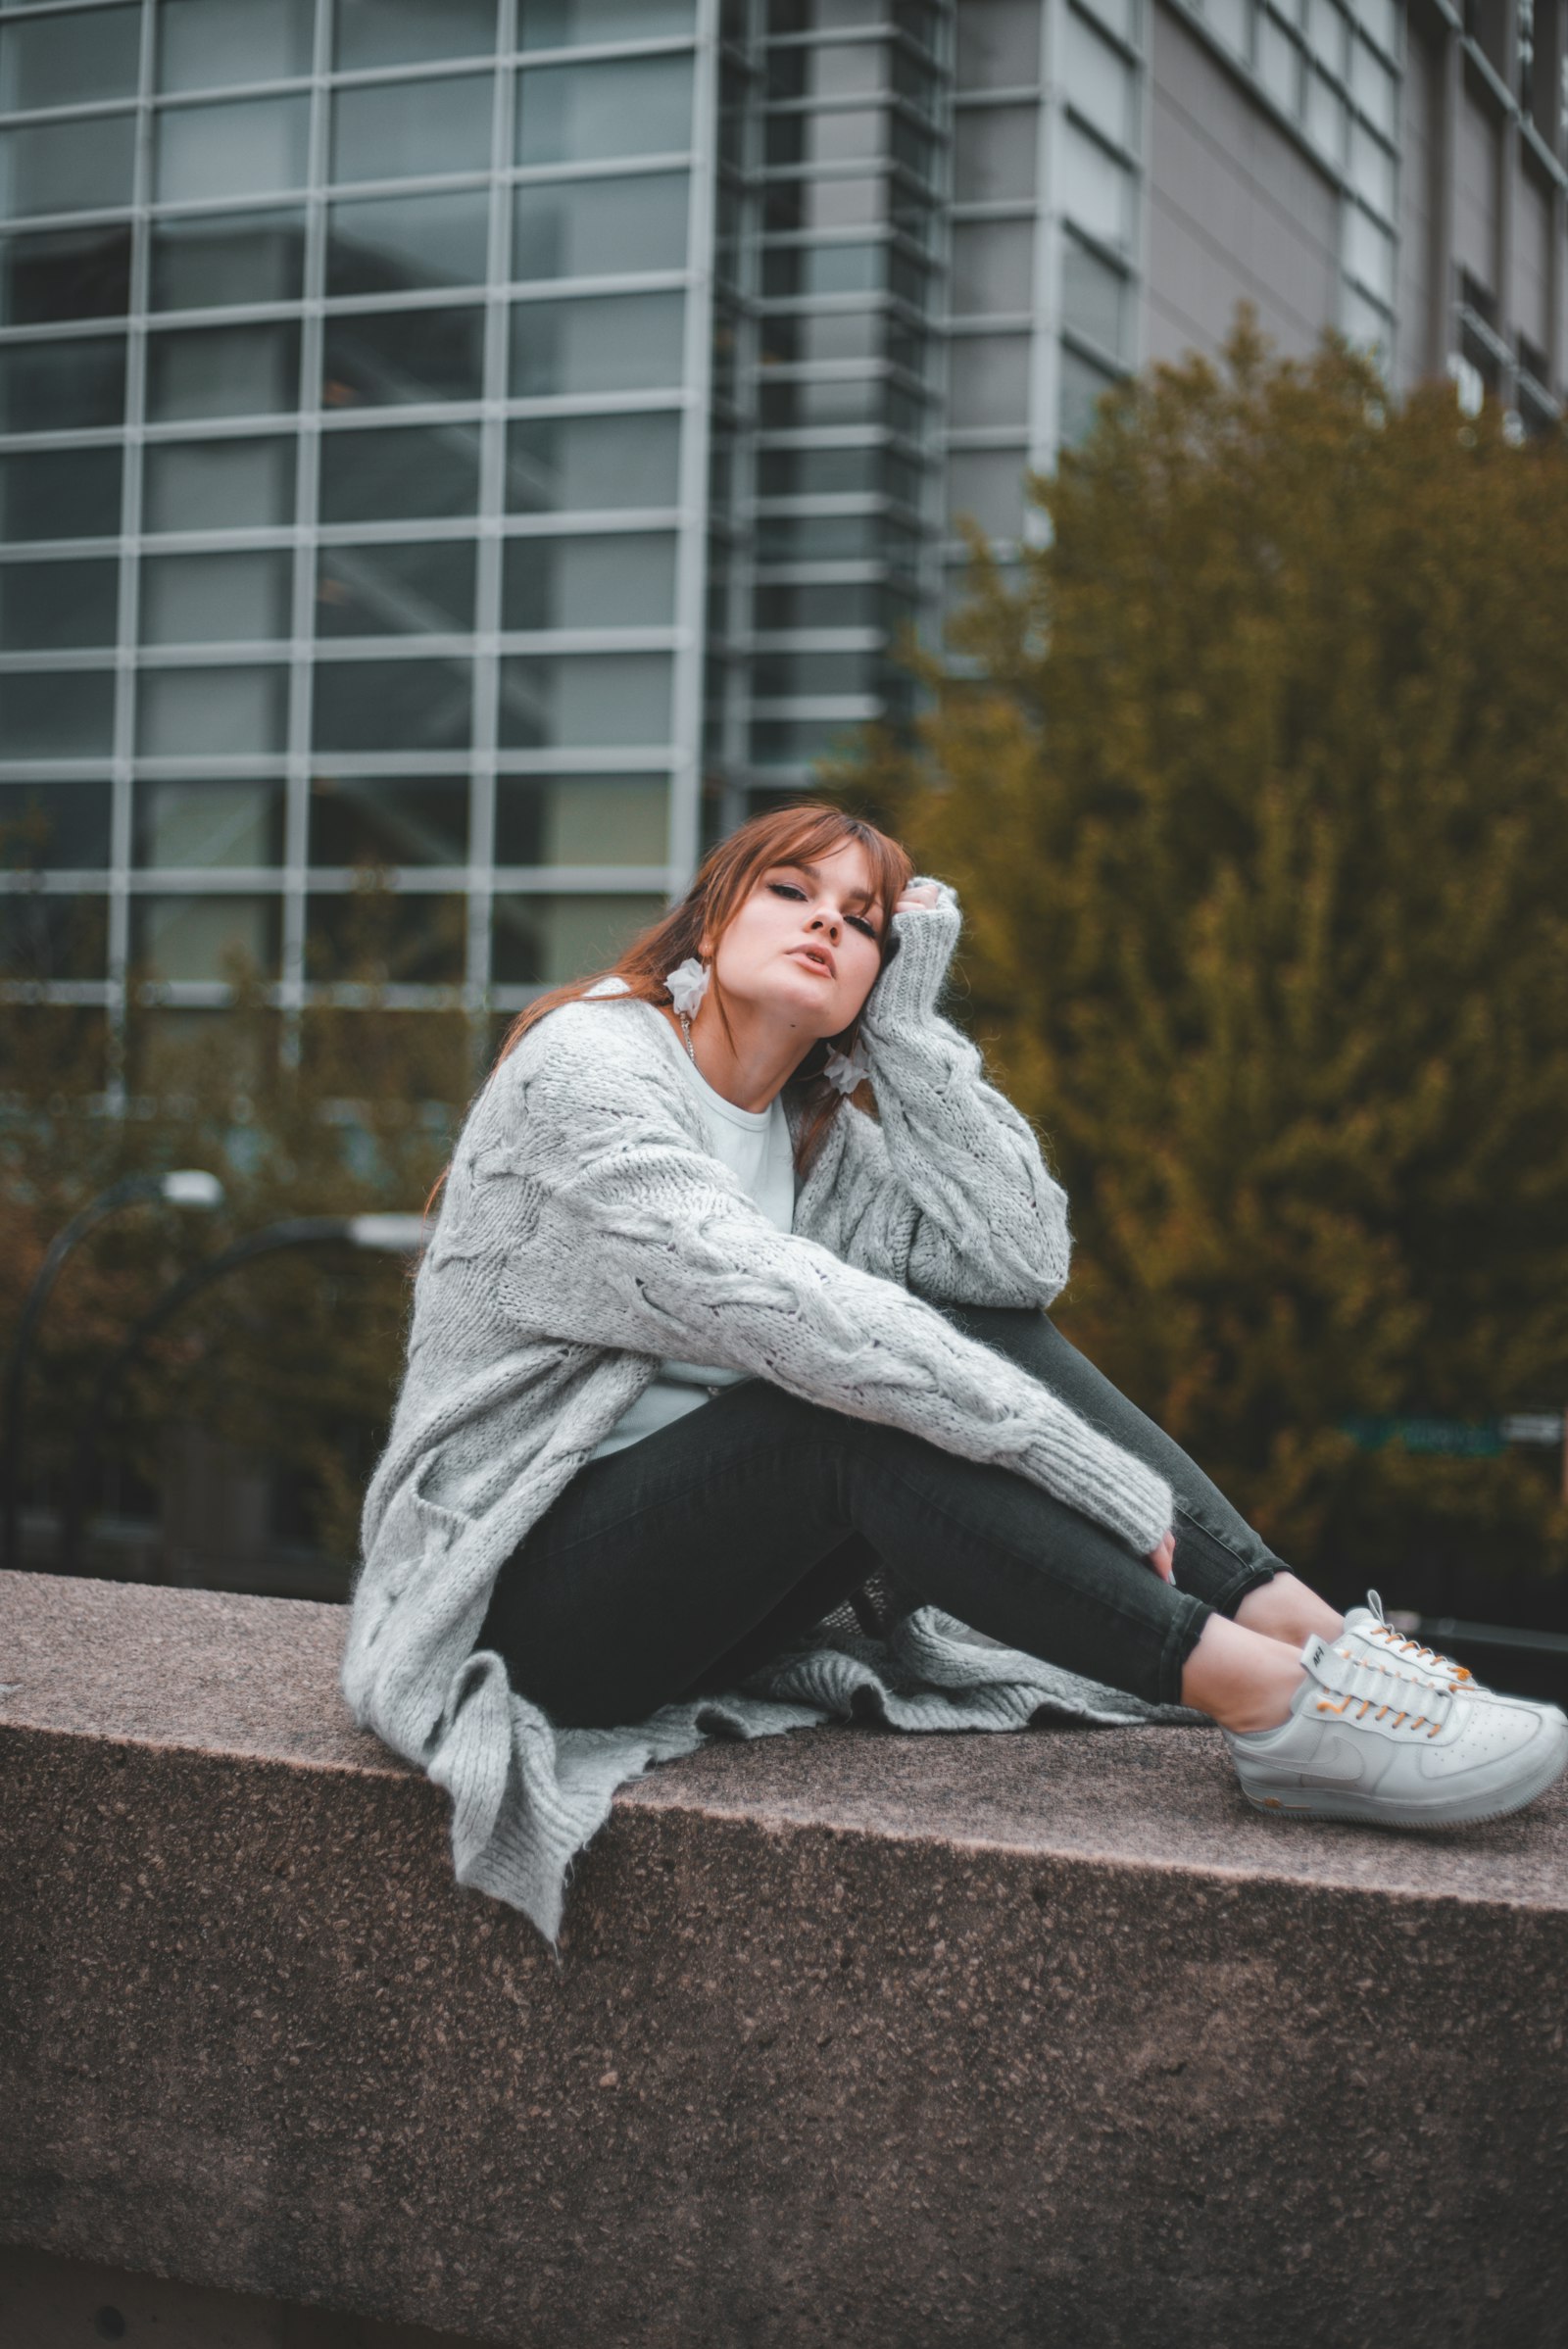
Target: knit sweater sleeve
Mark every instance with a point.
(610, 1225)
(949, 1192)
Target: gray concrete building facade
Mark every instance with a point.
(499, 441)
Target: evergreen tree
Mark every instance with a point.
(1254, 789)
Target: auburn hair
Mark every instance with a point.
(797, 833)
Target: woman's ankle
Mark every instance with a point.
(1242, 1679)
(1287, 1608)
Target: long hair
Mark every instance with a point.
(798, 833)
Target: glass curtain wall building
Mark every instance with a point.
(496, 443)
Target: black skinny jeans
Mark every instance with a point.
(690, 1558)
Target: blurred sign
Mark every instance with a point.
(1463, 1438)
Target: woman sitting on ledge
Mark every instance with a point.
(698, 1344)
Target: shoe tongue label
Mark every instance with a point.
(1314, 1652)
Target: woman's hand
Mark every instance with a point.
(1163, 1559)
(923, 893)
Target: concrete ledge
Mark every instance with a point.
(973, 2041)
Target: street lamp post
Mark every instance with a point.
(187, 1187)
(386, 1235)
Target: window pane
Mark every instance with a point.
(847, 69)
(64, 825)
(543, 941)
(850, 604)
(404, 32)
(222, 371)
(992, 265)
(856, 134)
(404, 129)
(556, 463)
(1279, 62)
(185, 711)
(988, 380)
(218, 485)
(1081, 387)
(392, 704)
(58, 606)
(60, 492)
(600, 227)
(255, 147)
(987, 485)
(1098, 82)
(798, 741)
(580, 114)
(999, 44)
(582, 820)
(411, 939)
(425, 589)
(209, 264)
(407, 475)
(829, 338)
(1371, 169)
(573, 23)
(1121, 15)
(801, 676)
(577, 700)
(67, 166)
(821, 538)
(611, 583)
(802, 205)
(207, 44)
(63, 386)
(1369, 253)
(795, 272)
(64, 716)
(69, 61)
(382, 359)
(820, 473)
(994, 154)
(72, 273)
(401, 822)
(602, 343)
(1097, 189)
(393, 244)
(214, 598)
(1373, 85)
(208, 825)
(48, 937)
(202, 938)
(1326, 116)
(1094, 296)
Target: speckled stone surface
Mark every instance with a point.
(982, 2041)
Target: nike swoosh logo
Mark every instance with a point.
(1336, 1765)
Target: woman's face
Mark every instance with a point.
(806, 945)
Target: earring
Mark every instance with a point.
(687, 984)
(846, 1070)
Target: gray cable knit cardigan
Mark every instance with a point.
(586, 1232)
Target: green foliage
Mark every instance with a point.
(1255, 791)
(297, 1358)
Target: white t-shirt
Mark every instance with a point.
(755, 1145)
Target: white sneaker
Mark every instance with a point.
(1370, 1633)
(1365, 1739)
